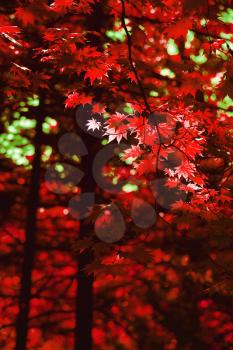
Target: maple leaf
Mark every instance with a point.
(134, 152)
(88, 51)
(53, 34)
(190, 188)
(186, 169)
(163, 152)
(149, 136)
(93, 124)
(198, 180)
(178, 205)
(113, 134)
(193, 148)
(172, 183)
(25, 16)
(59, 5)
(116, 128)
(169, 172)
(179, 28)
(96, 73)
(225, 195)
(191, 85)
(98, 108)
(137, 125)
(74, 99)
(146, 166)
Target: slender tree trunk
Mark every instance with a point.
(84, 298)
(29, 245)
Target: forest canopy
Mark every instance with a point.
(116, 175)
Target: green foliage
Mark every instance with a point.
(226, 16)
(172, 48)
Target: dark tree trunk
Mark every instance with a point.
(29, 245)
(85, 298)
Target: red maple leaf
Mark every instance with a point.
(179, 28)
(96, 73)
(25, 16)
(133, 152)
(186, 169)
(98, 108)
(146, 166)
(74, 99)
(59, 5)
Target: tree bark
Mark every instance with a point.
(30, 241)
(85, 298)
